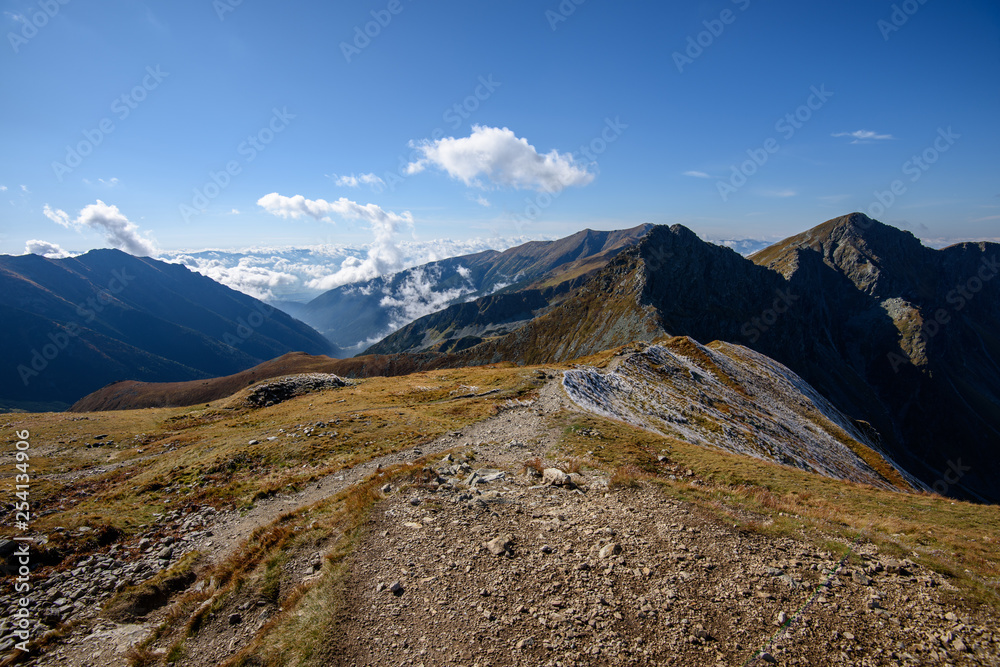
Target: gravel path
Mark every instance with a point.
(498, 568)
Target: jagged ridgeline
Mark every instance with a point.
(895, 334)
(900, 338)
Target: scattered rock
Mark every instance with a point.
(500, 545)
(555, 477)
(609, 550)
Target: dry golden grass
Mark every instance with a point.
(627, 477)
(536, 464)
(165, 459)
(573, 465)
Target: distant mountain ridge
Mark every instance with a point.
(355, 316)
(77, 324)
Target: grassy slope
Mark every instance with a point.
(212, 463)
(209, 459)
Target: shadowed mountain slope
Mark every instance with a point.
(77, 324)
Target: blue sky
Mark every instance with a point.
(161, 95)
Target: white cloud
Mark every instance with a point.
(417, 297)
(257, 281)
(863, 136)
(384, 256)
(290, 268)
(697, 174)
(779, 193)
(3, 188)
(45, 249)
(235, 211)
(483, 201)
(463, 271)
(57, 216)
(111, 182)
(118, 230)
(24, 188)
(320, 209)
(354, 181)
(502, 158)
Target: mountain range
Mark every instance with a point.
(354, 316)
(76, 324)
(901, 338)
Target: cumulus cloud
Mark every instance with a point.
(384, 256)
(697, 174)
(482, 201)
(864, 136)
(502, 158)
(45, 249)
(3, 188)
(320, 209)
(354, 181)
(119, 231)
